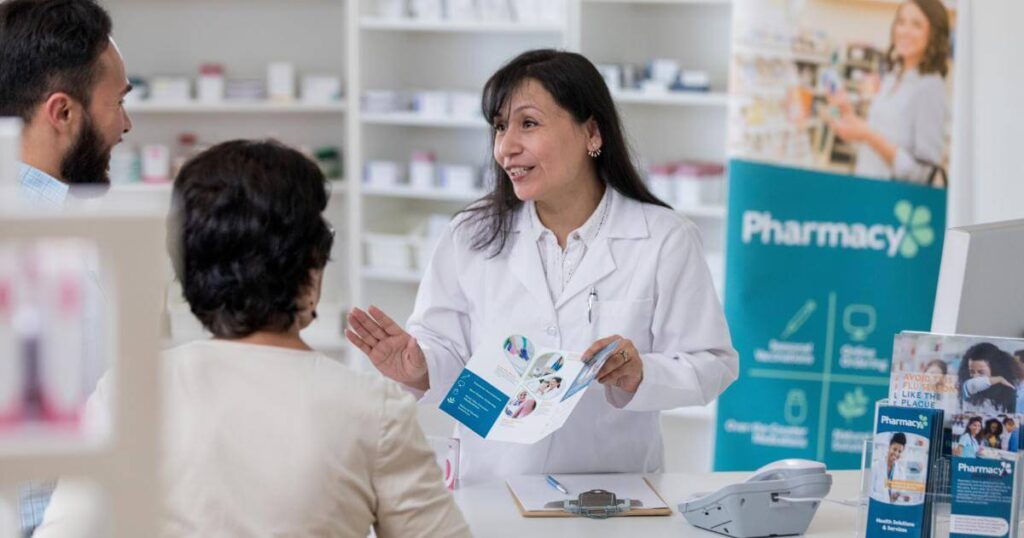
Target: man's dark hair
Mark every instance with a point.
(49, 46)
(898, 438)
(245, 230)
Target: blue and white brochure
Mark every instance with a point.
(515, 392)
(985, 492)
(905, 444)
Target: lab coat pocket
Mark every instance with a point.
(629, 319)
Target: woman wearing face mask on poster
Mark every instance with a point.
(571, 250)
(904, 135)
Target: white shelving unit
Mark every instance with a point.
(415, 119)
(351, 39)
(235, 107)
(475, 27)
(121, 464)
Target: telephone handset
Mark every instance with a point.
(783, 469)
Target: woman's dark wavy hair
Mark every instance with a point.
(981, 430)
(245, 231)
(577, 86)
(1001, 364)
(937, 51)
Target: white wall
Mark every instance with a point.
(989, 142)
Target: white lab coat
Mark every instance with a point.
(653, 285)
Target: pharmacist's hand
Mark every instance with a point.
(841, 100)
(624, 369)
(851, 128)
(391, 350)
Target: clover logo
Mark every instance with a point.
(924, 420)
(917, 221)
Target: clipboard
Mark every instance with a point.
(635, 512)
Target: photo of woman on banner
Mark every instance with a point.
(988, 379)
(904, 137)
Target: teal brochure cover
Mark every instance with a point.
(905, 445)
(985, 492)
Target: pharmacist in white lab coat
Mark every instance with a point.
(572, 251)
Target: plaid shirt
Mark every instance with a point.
(41, 190)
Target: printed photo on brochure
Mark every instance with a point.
(962, 375)
(518, 392)
(991, 437)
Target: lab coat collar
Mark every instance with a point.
(626, 220)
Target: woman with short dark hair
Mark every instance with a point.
(262, 435)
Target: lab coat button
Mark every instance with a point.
(552, 330)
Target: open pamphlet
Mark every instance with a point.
(514, 391)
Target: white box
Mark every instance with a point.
(661, 182)
(422, 250)
(461, 10)
(664, 70)
(210, 88)
(281, 81)
(156, 163)
(458, 178)
(170, 89)
(422, 174)
(430, 103)
(388, 251)
(382, 173)
(428, 10)
(320, 88)
(391, 9)
(464, 104)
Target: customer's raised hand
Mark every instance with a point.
(391, 350)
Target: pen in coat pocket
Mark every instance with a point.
(591, 299)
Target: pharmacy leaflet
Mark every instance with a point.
(906, 443)
(513, 391)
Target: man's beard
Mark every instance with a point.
(87, 162)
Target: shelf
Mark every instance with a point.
(337, 186)
(421, 194)
(235, 107)
(708, 211)
(414, 119)
(669, 2)
(401, 276)
(781, 54)
(707, 99)
(446, 26)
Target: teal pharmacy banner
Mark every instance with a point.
(822, 270)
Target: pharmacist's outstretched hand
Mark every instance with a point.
(391, 350)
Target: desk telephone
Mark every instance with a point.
(779, 499)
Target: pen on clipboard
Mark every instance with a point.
(555, 484)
